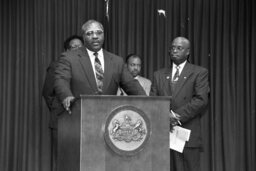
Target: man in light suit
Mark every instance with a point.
(188, 86)
(133, 63)
(91, 70)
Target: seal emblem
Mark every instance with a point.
(127, 130)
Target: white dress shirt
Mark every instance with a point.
(174, 68)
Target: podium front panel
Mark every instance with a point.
(116, 133)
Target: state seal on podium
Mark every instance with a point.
(127, 130)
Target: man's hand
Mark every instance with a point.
(174, 119)
(175, 115)
(66, 103)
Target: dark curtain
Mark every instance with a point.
(223, 38)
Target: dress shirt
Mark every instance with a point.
(174, 68)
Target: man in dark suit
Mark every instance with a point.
(91, 70)
(54, 105)
(71, 43)
(188, 86)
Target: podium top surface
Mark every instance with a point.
(128, 97)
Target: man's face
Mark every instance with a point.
(93, 37)
(75, 44)
(134, 66)
(179, 50)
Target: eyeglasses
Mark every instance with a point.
(72, 47)
(179, 48)
(91, 33)
(134, 65)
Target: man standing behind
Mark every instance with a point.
(49, 94)
(188, 86)
(91, 70)
(71, 43)
(133, 63)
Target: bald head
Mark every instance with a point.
(183, 41)
(180, 50)
(88, 23)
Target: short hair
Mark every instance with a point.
(132, 55)
(89, 22)
(69, 39)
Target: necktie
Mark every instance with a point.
(175, 79)
(99, 72)
(176, 75)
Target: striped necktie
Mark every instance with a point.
(99, 73)
(176, 75)
(175, 79)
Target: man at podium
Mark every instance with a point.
(91, 70)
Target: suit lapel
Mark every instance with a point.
(108, 70)
(167, 81)
(87, 68)
(186, 72)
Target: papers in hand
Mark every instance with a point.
(178, 138)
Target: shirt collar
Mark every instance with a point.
(100, 53)
(181, 66)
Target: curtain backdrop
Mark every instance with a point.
(223, 39)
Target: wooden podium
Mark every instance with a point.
(115, 133)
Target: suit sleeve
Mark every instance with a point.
(199, 98)
(48, 90)
(63, 78)
(130, 85)
(153, 89)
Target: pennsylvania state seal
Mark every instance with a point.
(127, 130)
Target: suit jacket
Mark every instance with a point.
(145, 83)
(74, 75)
(188, 99)
(52, 102)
